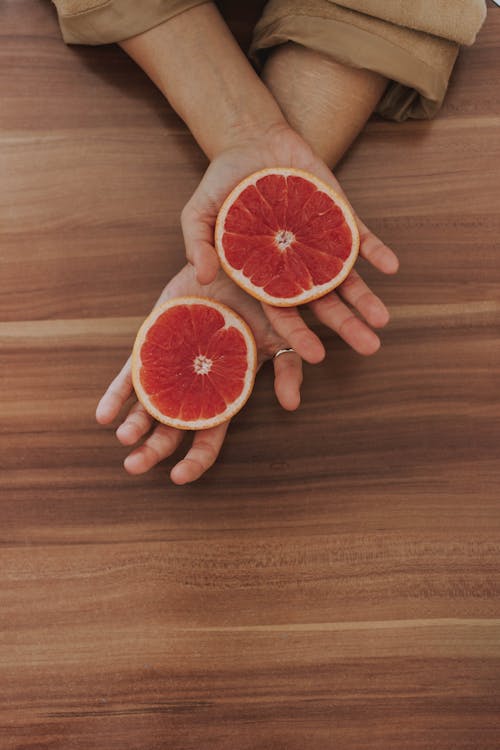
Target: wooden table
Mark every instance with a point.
(333, 582)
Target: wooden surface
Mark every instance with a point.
(333, 583)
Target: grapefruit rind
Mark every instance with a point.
(232, 319)
(307, 295)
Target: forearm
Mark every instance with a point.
(196, 63)
(326, 102)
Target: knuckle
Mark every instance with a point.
(329, 304)
(269, 344)
(288, 365)
(375, 247)
(137, 420)
(304, 340)
(114, 392)
(153, 450)
(200, 466)
(283, 314)
(347, 325)
(298, 332)
(162, 443)
(206, 454)
(364, 297)
(351, 280)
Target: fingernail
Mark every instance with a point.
(131, 462)
(380, 314)
(130, 434)
(316, 355)
(370, 344)
(123, 433)
(101, 414)
(392, 265)
(174, 475)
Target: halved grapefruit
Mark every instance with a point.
(286, 237)
(193, 363)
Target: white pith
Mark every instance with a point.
(283, 239)
(307, 295)
(231, 320)
(202, 365)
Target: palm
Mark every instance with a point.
(286, 148)
(164, 440)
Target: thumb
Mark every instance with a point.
(287, 377)
(198, 231)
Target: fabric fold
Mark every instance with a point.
(418, 64)
(414, 45)
(106, 21)
(448, 19)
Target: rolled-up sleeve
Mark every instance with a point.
(414, 45)
(105, 21)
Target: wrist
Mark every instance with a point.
(250, 128)
(327, 102)
(197, 64)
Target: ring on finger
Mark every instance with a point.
(282, 351)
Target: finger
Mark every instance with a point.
(288, 379)
(160, 444)
(371, 247)
(288, 324)
(137, 423)
(375, 251)
(198, 240)
(117, 393)
(331, 311)
(201, 456)
(355, 291)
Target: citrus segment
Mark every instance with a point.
(193, 363)
(286, 237)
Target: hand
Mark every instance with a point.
(281, 146)
(164, 440)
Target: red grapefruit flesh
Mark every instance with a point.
(193, 363)
(286, 237)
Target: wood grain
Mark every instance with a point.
(333, 582)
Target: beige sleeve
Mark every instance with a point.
(413, 44)
(105, 21)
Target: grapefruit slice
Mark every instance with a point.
(193, 363)
(286, 237)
